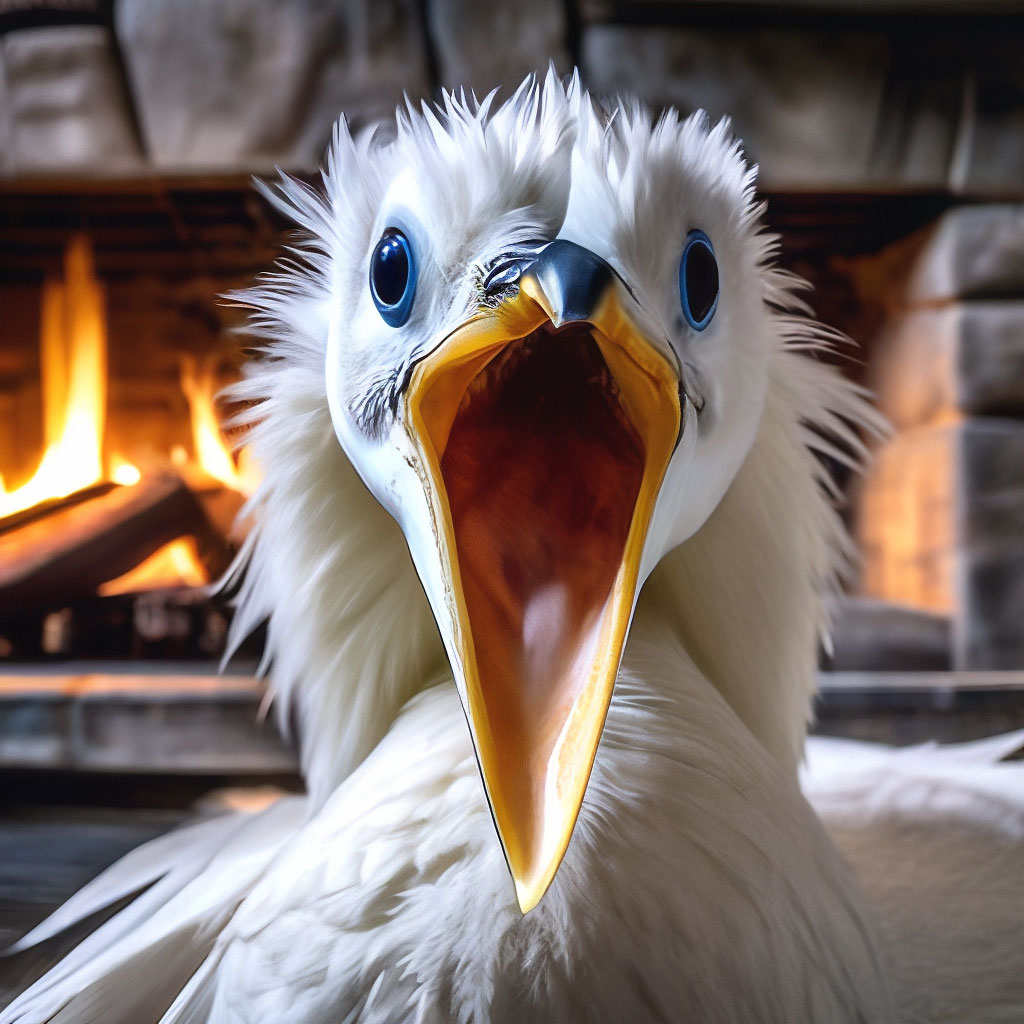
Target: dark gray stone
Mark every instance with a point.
(990, 154)
(159, 724)
(901, 708)
(973, 252)
(965, 357)
(988, 632)
(243, 83)
(481, 46)
(990, 509)
(63, 102)
(814, 108)
(869, 635)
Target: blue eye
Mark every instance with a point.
(393, 278)
(698, 280)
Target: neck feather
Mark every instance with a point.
(746, 595)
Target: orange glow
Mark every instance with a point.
(904, 529)
(176, 564)
(123, 472)
(73, 352)
(199, 385)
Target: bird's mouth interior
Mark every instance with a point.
(545, 466)
(542, 470)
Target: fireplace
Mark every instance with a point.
(131, 137)
(119, 488)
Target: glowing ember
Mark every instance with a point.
(176, 564)
(74, 356)
(123, 472)
(199, 385)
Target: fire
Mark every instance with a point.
(199, 385)
(74, 364)
(176, 564)
(73, 358)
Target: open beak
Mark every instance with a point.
(542, 430)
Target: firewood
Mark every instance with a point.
(67, 554)
(51, 505)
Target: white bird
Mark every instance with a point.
(542, 348)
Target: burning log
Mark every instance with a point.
(91, 546)
(66, 555)
(51, 505)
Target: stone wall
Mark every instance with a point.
(942, 513)
(925, 95)
(197, 85)
(834, 103)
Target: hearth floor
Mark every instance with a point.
(47, 854)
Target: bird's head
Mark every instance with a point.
(544, 360)
(547, 341)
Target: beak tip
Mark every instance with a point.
(533, 883)
(527, 897)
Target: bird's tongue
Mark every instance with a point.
(542, 469)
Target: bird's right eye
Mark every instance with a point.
(393, 278)
(698, 280)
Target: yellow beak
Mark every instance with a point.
(542, 430)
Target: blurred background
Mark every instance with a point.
(890, 138)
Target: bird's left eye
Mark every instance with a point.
(393, 278)
(698, 280)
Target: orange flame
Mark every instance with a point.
(199, 385)
(176, 564)
(74, 358)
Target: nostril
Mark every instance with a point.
(502, 276)
(508, 266)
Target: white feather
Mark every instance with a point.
(131, 967)
(936, 836)
(683, 865)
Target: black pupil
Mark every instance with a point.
(390, 270)
(701, 280)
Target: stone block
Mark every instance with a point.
(481, 46)
(989, 632)
(64, 104)
(6, 128)
(243, 83)
(990, 155)
(940, 522)
(967, 357)
(815, 108)
(974, 252)
(869, 635)
(160, 723)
